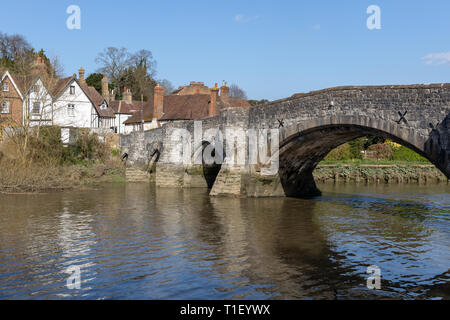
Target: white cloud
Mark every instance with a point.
(241, 18)
(437, 58)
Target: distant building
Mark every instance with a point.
(192, 102)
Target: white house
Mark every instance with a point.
(38, 104)
(68, 103)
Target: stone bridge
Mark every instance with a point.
(309, 126)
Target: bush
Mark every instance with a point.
(342, 152)
(406, 154)
(382, 151)
(356, 146)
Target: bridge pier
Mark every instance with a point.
(243, 181)
(179, 176)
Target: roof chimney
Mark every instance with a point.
(224, 90)
(81, 74)
(158, 104)
(127, 96)
(105, 88)
(38, 65)
(213, 108)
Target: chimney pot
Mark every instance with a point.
(224, 90)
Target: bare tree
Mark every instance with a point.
(144, 59)
(12, 46)
(167, 85)
(113, 63)
(237, 92)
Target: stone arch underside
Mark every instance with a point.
(301, 152)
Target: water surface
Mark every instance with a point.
(137, 242)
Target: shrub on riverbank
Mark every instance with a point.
(39, 161)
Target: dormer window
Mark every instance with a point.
(5, 86)
(72, 90)
(103, 106)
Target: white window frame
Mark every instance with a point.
(5, 107)
(71, 110)
(5, 86)
(34, 108)
(72, 90)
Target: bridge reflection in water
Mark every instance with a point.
(136, 241)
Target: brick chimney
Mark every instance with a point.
(213, 108)
(38, 66)
(105, 88)
(158, 102)
(224, 90)
(127, 96)
(81, 74)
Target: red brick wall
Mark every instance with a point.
(15, 103)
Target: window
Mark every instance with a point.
(36, 108)
(35, 88)
(103, 106)
(5, 86)
(71, 110)
(5, 107)
(72, 90)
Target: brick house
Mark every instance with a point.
(11, 100)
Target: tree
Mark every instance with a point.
(16, 53)
(95, 80)
(134, 71)
(139, 77)
(237, 92)
(167, 85)
(113, 63)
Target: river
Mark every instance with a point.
(134, 242)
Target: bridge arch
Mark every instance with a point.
(305, 144)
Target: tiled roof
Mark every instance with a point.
(187, 107)
(123, 107)
(137, 116)
(98, 100)
(60, 85)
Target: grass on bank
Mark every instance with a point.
(39, 162)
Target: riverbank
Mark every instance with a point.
(379, 172)
(15, 179)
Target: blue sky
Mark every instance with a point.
(272, 49)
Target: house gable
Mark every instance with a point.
(8, 76)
